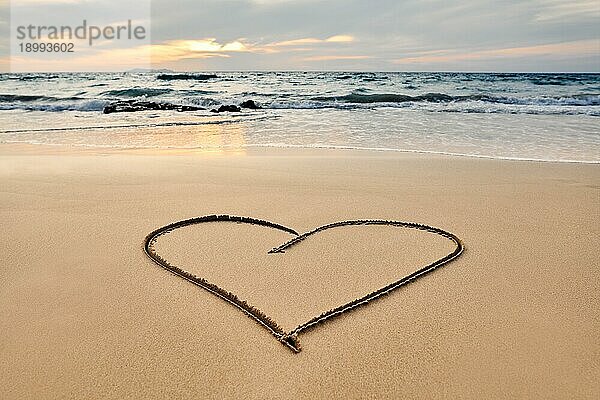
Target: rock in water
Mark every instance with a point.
(250, 104)
(135, 105)
(229, 108)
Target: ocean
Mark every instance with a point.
(522, 116)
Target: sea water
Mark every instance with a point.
(547, 117)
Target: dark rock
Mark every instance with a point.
(229, 108)
(250, 104)
(136, 105)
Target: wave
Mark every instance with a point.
(417, 151)
(27, 77)
(136, 92)
(196, 92)
(154, 92)
(55, 106)
(385, 98)
(24, 98)
(357, 98)
(567, 100)
(233, 119)
(360, 98)
(175, 77)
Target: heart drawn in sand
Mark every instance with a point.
(290, 339)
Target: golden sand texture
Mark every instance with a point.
(85, 314)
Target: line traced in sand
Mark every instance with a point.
(290, 339)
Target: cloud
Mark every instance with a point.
(296, 42)
(208, 45)
(560, 10)
(48, 2)
(334, 57)
(582, 48)
(99, 60)
(4, 64)
(340, 39)
(530, 35)
(173, 50)
(306, 41)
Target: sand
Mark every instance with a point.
(85, 314)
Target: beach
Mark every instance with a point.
(84, 313)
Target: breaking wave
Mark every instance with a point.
(357, 98)
(26, 98)
(137, 92)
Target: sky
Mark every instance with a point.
(344, 35)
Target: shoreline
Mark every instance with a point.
(286, 149)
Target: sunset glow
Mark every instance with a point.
(540, 35)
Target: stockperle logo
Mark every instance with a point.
(55, 35)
